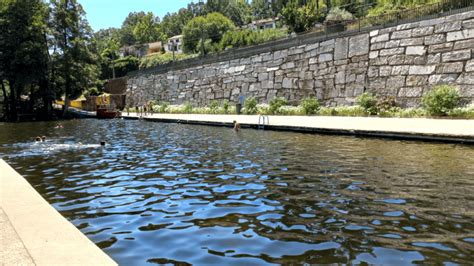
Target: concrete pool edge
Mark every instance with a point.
(47, 238)
(422, 129)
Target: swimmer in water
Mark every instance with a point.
(102, 143)
(38, 139)
(236, 126)
(43, 138)
(58, 126)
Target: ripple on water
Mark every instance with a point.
(183, 194)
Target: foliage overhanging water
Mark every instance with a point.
(171, 193)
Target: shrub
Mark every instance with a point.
(385, 104)
(465, 112)
(411, 112)
(290, 110)
(225, 106)
(338, 15)
(263, 109)
(276, 103)
(310, 105)
(368, 102)
(350, 111)
(441, 100)
(250, 106)
(188, 108)
(214, 107)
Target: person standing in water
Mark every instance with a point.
(236, 126)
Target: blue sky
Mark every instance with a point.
(103, 14)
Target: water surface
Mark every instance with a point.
(184, 194)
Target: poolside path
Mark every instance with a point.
(32, 232)
(453, 130)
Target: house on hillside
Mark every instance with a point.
(141, 50)
(263, 24)
(175, 44)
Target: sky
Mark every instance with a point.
(103, 14)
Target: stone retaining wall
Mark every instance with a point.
(404, 61)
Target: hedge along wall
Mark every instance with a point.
(404, 61)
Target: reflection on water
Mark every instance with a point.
(169, 193)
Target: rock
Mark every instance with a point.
(448, 26)
(393, 51)
(460, 35)
(470, 66)
(403, 34)
(456, 56)
(435, 39)
(442, 79)
(466, 78)
(359, 45)
(446, 68)
(416, 81)
(415, 50)
(341, 48)
(380, 38)
(421, 70)
(410, 92)
(373, 54)
(325, 57)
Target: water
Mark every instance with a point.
(169, 193)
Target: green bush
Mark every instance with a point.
(465, 112)
(386, 104)
(240, 38)
(250, 106)
(338, 15)
(441, 100)
(368, 102)
(188, 108)
(225, 106)
(310, 105)
(214, 107)
(157, 59)
(276, 103)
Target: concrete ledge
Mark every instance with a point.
(442, 130)
(35, 232)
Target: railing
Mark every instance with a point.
(325, 32)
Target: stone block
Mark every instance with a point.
(393, 51)
(435, 39)
(448, 26)
(288, 65)
(288, 83)
(431, 22)
(415, 50)
(377, 46)
(341, 48)
(373, 72)
(412, 41)
(340, 77)
(403, 34)
(400, 70)
(468, 24)
(395, 82)
(385, 71)
(456, 56)
(373, 54)
(470, 66)
(267, 84)
(381, 38)
(392, 44)
(440, 48)
(460, 35)
(417, 80)
(262, 77)
(447, 68)
(410, 92)
(359, 45)
(374, 33)
(442, 79)
(466, 78)
(421, 70)
(433, 58)
(325, 57)
(465, 44)
(461, 16)
(422, 31)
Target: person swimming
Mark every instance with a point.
(102, 143)
(43, 138)
(38, 139)
(236, 126)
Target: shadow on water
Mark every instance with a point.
(183, 194)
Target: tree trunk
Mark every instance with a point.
(5, 101)
(13, 115)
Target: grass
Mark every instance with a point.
(354, 111)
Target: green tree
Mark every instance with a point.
(208, 29)
(74, 59)
(173, 24)
(23, 54)
(300, 17)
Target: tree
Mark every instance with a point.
(200, 29)
(147, 30)
(300, 17)
(73, 42)
(24, 53)
(173, 24)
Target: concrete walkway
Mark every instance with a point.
(451, 130)
(34, 233)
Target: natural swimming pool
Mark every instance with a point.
(170, 193)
